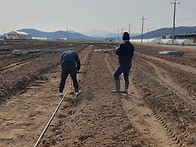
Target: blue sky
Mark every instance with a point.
(86, 15)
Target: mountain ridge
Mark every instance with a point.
(162, 32)
(72, 35)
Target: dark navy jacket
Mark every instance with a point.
(70, 57)
(125, 53)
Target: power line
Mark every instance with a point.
(122, 30)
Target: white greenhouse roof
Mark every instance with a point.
(21, 33)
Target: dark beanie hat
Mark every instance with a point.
(126, 36)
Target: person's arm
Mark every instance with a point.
(62, 58)
(77, 61)
(119, 50)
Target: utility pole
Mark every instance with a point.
(118, 34)
(174, 17)
(142, 28)
(4, 34)
(148, 37)
(122, 30)
(67, 33)
(129, 29)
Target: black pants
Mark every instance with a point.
(125, 69)
(68, 68)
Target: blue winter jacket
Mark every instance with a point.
(70, 57)
(125, 53)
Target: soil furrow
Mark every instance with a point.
(164, 78)
(141, 116)
(157, 111)
(169, 63)
(167, 110)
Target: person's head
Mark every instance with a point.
(126, 36)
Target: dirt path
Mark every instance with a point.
(24, 116)
(164, 78)
(98, 119)
(159, 109)
(140, 115)
(164, 88)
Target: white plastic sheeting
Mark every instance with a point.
(156, 41)
(169, 41)
(185, 41)
(19, 52)
(172, 52)
(104, 50)
(164, 41)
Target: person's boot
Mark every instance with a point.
(60, 93)
(117, 84)
(126, 87)
(78, 92)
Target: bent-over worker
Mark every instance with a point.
(70, 64)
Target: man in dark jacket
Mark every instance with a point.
(70, 64)
(125, 55)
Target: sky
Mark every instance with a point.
(85, 15)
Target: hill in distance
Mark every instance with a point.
(102, 35)
(71, 35)
(167, 31)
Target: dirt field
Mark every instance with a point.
(158, 111)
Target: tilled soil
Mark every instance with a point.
(159, 109)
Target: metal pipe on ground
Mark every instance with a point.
(48, 124)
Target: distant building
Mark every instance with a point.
(190, 35)
(18, 35)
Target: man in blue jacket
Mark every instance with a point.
(70, 64)
(125, 55)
